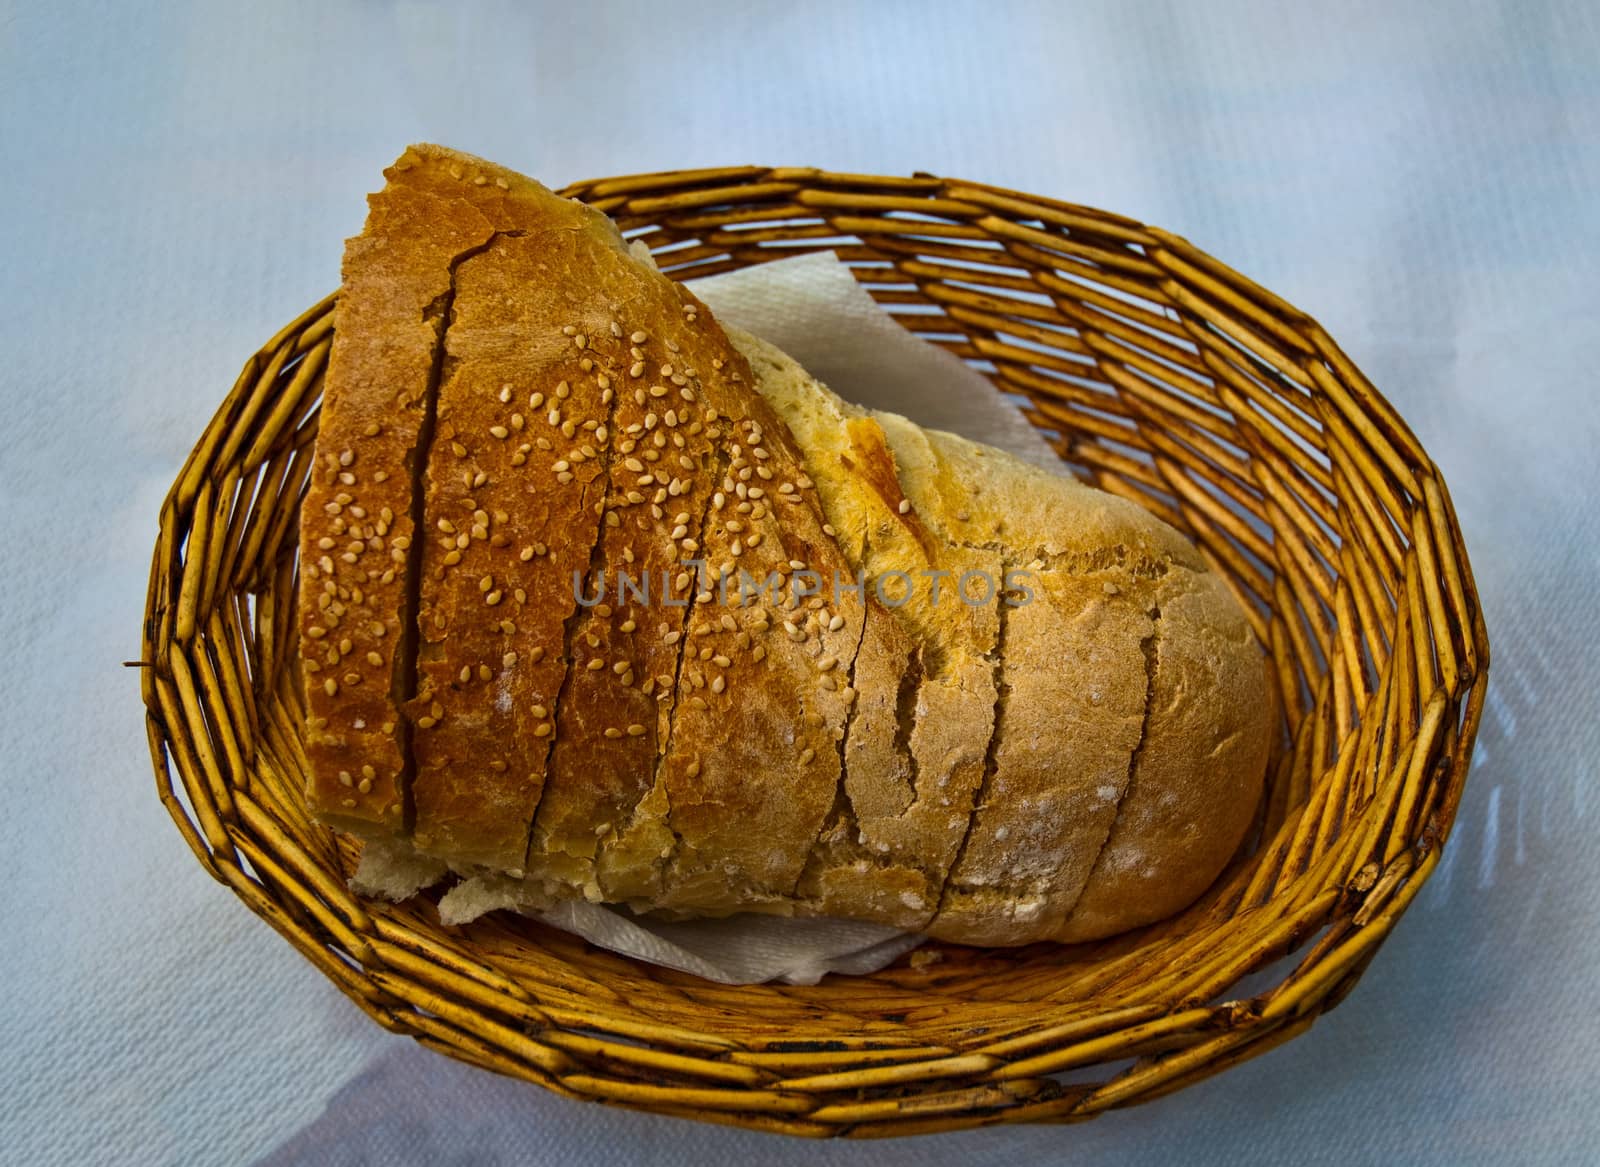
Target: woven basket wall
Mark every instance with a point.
(1158, 373)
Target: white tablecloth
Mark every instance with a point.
(1422, 178)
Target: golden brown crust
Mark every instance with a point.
(511, 513)
(1069, 674)
(1071, 702)
(662, 462)
(1074, 753)
(356, 523)
(760, 708)
(1198, 776)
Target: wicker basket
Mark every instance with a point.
(1156, 372)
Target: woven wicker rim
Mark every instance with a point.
(1156, 372)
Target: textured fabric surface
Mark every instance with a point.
(1420, 177)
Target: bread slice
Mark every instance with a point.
(359, 552)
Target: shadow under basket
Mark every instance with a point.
(1156, 372)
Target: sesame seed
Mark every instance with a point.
(509, 660)
(827, 662)
(613, 732)
(493, 598)
(466, 674)
(596, 664)
(426, 722)
(536, 654)
(374, 659)
(345, 779)
(505, 393)
(635, 730)
(806, 755)
(718, 684)
(542, 729)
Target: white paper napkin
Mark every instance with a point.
(811, 307)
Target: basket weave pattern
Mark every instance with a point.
(1156, 372)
